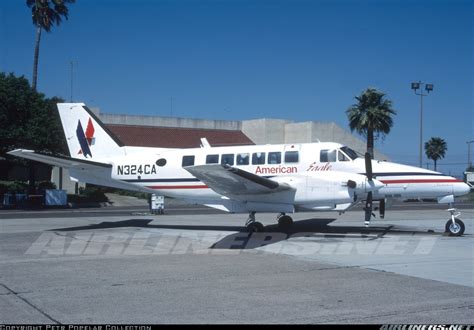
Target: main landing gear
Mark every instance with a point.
(284, 221)
(454, 226)
(253, 226)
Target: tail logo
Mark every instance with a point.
(85, 139)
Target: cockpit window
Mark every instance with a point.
(350, 153)
(343, 154)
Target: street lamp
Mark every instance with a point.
(469, 164)
(428, 88)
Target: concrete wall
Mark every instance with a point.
(299, 132)
(265, 131)
(170, 122)
(67, 183)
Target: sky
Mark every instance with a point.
(244, 59)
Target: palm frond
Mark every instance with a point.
(371, 112)
(45, 13)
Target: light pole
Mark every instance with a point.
(469, 164)
(428, 88)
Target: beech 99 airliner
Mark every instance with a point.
(280, 178)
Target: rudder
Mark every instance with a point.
(86, 136)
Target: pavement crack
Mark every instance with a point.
(26, 301)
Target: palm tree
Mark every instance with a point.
(45, 13)
(371, 115)
(435, 149)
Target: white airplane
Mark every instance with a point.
(281, 178)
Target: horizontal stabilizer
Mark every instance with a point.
(81, 169)
(61, 161)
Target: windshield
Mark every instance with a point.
(349, 153)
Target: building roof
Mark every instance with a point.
(174, 137)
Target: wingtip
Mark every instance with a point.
(18, 152)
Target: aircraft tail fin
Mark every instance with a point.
(87, 137)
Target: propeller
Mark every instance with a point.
(368, 203)
(382, 208)
(368, 166)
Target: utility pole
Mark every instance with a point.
(72, 78)
(428, 87)
(469, 163)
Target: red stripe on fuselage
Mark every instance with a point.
(421, 181)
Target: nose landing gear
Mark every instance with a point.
(454, 226)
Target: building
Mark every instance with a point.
(259, 131)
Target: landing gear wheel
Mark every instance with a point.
(455, 229)
(285, 222)
(255, 227)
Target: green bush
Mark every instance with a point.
(44, 185)
(19, 187)
(13, 187)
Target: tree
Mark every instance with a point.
(28, 120)
(435, 149)
(44, 14)
(371, 116)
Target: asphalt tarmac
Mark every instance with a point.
(196, 266)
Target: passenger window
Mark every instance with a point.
(258, 158)
(227, 159)
(212, 159)
(187, 161)
(243, 159)
(291, 157)
(326, 156)
(274, 157)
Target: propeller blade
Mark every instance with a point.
(382, 208)
(368, 166)
(368, 208)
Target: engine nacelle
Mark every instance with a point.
(332, 188)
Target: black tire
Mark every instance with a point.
(255, 227)
(285, 222)
(455, 230)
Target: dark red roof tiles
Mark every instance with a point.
(174, 137)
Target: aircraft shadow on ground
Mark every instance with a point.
(318, 229)
(145, 223)
(240, 239)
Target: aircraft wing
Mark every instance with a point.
(242, 185)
